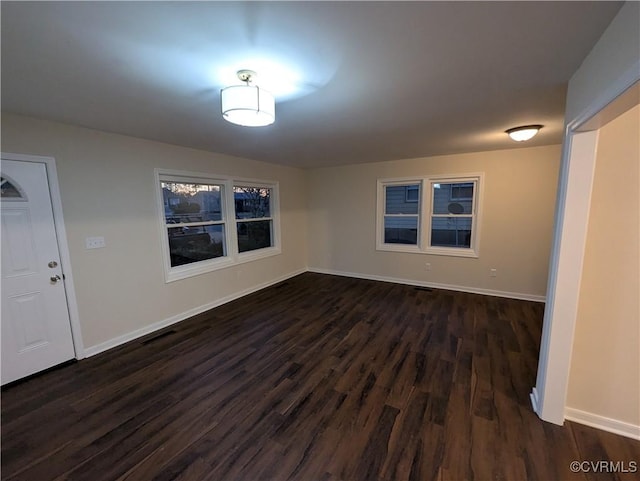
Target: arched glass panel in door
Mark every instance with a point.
(9, 190)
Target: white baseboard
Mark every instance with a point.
(130, 336)
(601, 422)
(434, 285)
(535, 401)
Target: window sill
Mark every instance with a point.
(451, 252)
(258, 254)
(399, 248)
(437, 251)
(199, 268)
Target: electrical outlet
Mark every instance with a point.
(94, 243)
(427, 266)
(493, 273)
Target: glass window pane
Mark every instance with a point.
(184, 203)
(462, 191)
(254, 235)
(401, 230)
(450, 198)
(8, 190)
(399, 199)
(252, 202)
(195, 244)
(413, 193)
(451, 232)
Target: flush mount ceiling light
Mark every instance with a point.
(526, 132)
(248, 105)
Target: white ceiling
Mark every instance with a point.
(361, 81)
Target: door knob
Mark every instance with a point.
(52, 264)
(55, 278)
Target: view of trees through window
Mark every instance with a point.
(254, 225)
(196, 225)
(196, 212)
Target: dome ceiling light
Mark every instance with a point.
(248, 105)
(524, 133)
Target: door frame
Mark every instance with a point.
(61, 237)
(549, 395)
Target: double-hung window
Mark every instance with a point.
(452, 213)
(194, 218)
(211, 222)
(432, 215)
(254, 223)
(400, 214)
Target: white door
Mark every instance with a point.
(36, 331)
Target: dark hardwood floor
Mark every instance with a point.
(316, 378)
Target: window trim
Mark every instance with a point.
(425, 207)
(232, 257)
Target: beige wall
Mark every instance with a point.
(605, 366)
(517, 220)
(107, 188)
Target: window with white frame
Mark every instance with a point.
(401, 213)
(452, 212)
(211, 222)
(194, 220)
(440, 215)
(254, 223)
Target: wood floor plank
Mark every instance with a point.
(316, 378)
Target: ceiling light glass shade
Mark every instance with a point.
(521, 134)
(248, 105)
